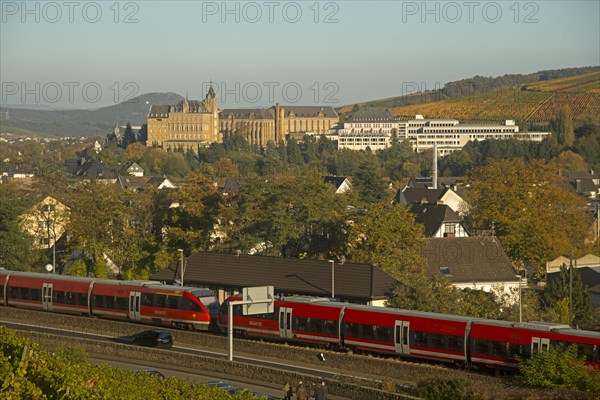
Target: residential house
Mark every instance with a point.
(135, 170)
(476, 262)
(46, 221)
(439, 220)
(586, 183)
(342, 184)
(447, 196)
(227, 274)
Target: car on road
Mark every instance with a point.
(154, 338)
(152, 372)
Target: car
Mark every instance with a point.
(232, 389)
(152, 372)
(154, 338)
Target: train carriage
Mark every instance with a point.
(408, 333)
(143, 301)
(46, 292)
(497, 344)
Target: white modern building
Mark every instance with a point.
(374, 127)
(450, 135)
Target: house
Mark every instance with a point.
(342, 184)
(472, 263)
(139, 183)
(439, 220)
(589, 270)
(227, 274)
(46, 221)
(584, 183)
(447, 196)
(135, 170)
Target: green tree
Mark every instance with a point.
(562, 126)
(557, 295)
(418, 291)
(559, 367)
(369, 184)
(128, 136)
(15, 245)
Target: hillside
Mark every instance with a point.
(81, 122)
(507, 90)
(538, 102)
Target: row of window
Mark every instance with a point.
(173, 302)
(316, 325)
(369, 332)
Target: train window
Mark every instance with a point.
(330, 327)
(98, 301)
(109, 301)
(147, 299)
(190, 305)
(300, 323)
(383, 333)
(224, 309)
(59, 297)
(122, 303)
(456, 343)
(352, 329)
(173, 302)
(160, 300)
(82, 299)
(405, 335)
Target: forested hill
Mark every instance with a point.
(82, 122)
(469, 88)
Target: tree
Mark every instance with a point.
(15, 245)
(558, 294)
(143, 134)
(569, 161)
(368, 184)
(128, 136)
(418, 291)
(535, 218)
(388, 237)
(559, 367)
(562, 126)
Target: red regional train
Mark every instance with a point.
(414, 334)
(142, 301)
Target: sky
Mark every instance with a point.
(86, 54)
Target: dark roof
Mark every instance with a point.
(310, 111)
(432, 216)
(420, 195)
(360, 282)
(468, 259)
(158, 111)
(373, 114)
(94, 169)
(134, 183)
(246, 113)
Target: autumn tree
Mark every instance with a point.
(191, 224)
(388, 237)
(535, 218)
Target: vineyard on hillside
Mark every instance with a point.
(587, 83)
(516, 104)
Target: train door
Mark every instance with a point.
(538, 345)
(134, 305)
(285, 323)
(47, 296)
(401, 337)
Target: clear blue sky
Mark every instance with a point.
(354, 51)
